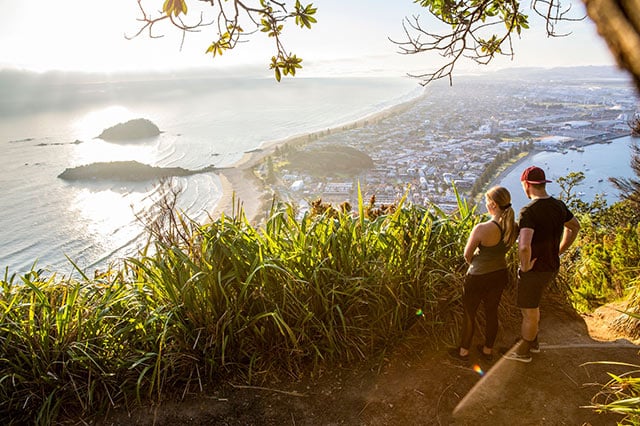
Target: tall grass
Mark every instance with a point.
(71, 344)
(227, 301)
(621, 394)
(604, 266)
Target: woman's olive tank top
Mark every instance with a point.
(490, 259)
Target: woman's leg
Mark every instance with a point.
(470, 301)
(495, 284)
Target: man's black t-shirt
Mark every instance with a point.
(546, 216)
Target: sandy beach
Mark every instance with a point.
(240, 183)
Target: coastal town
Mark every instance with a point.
(450, 136)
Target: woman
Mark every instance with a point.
(487, 276)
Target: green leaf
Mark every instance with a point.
(174, 7)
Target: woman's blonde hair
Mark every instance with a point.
(502, 197)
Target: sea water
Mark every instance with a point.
(598, 162)
(50, 123)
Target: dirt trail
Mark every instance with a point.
(420, 385)
(557, 386)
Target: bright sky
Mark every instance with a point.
(351, 35)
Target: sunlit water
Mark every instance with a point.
(204, 122)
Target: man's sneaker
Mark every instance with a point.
(515, 356)
(534, 347)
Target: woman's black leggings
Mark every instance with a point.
(485, 288)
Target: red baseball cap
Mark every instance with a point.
(533, 175)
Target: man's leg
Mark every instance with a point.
(530, 286)
(529, 329)
(530, 320)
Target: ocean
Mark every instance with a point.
(50, 122)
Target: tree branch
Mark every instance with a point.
(269, 18)
(618, 22)
(471, 24)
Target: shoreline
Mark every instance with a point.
(240, 184)
(505, 171)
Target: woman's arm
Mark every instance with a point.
(472, 243)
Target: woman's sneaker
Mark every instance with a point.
(486, 357)
(455, 354)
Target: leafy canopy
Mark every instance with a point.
(477, 30)
(266, 17)
(469, 22)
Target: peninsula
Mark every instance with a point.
(131, 171)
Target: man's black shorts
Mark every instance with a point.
(531, 284)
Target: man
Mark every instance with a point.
(547, 230)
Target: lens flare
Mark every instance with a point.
(478, 370)
(419, 313)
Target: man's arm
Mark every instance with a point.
(524, 249)
(570, 233)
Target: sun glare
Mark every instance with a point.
(94, 150)
(93, 123)
(107, 215)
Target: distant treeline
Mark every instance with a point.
(492, 168)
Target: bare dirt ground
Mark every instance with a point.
(419, 384)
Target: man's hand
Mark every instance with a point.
(530, 266)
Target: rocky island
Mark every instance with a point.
(139, 128)
(131, 171)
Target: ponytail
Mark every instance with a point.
(502, 198)
(508, 223)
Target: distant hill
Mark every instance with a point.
(578, 73)
(29, 92)
(139, 128)
(330, 159)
